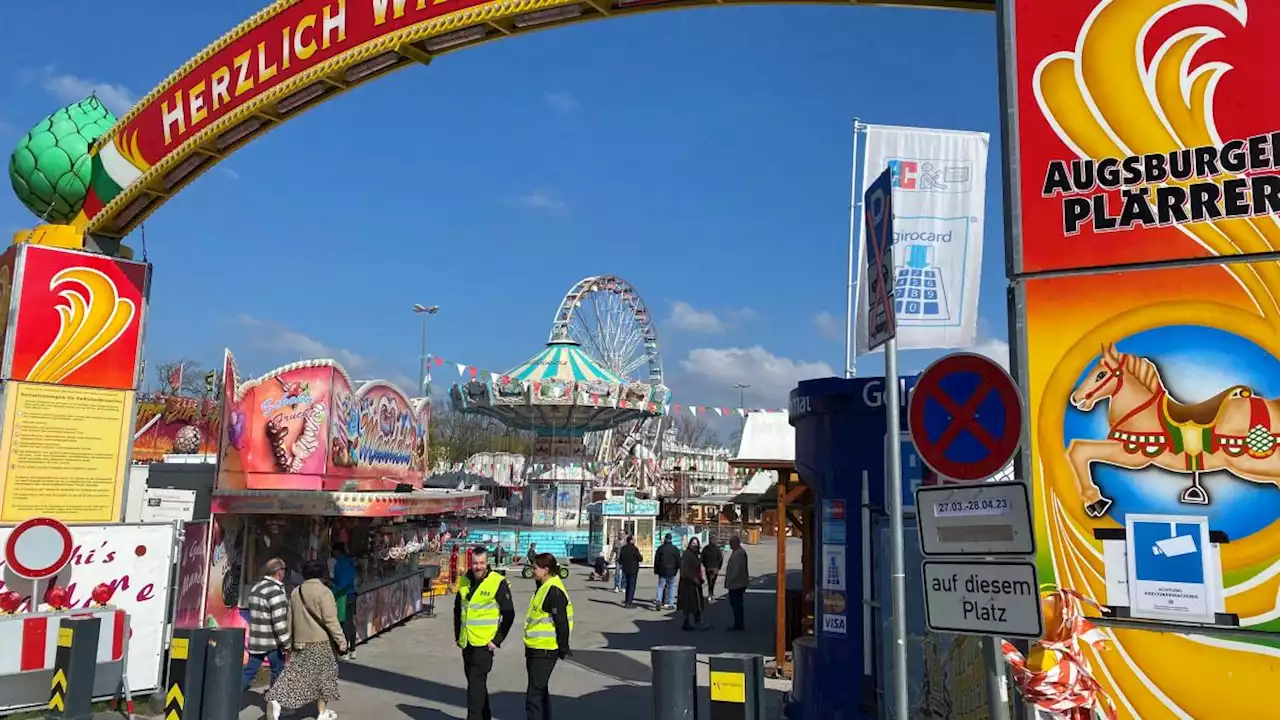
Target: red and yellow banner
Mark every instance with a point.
(1146, 131)
(1145, 135)
(79, 318)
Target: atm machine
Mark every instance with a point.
(841, 445)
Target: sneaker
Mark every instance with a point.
(351, 655)
(273, 710)
(327, 715)
(616, 590)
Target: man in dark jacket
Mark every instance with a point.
(712, 561)
(666, 565)
(480, 627)
(629, 559)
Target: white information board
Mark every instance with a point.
(985, 519)
(983, 598)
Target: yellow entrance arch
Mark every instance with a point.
(295, 54)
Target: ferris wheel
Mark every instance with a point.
(606, 316)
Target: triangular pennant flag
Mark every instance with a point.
(676, 407)
(472, 371)
(493, 377)
(721, 414)
(742, 412)
(693, 409)
(462, 369)
(439, 361)
(727, 411)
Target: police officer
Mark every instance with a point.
(547, 625)
(482, 616)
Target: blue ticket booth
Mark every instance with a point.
(841, 442)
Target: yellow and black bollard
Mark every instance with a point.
(74, 665)
(182, 698)
(223, 674)
(737, 687)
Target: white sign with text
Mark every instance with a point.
(983, 598)
(137, 560)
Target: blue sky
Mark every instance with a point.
(701, 154)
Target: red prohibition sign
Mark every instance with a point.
(38, 548)
(991, 415)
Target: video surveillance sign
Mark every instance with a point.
(1170, 568)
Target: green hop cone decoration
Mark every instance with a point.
(50, 168)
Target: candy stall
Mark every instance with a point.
(308, 459)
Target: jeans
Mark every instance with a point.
(537, 697)
(476, 663)
(618, 584)
(712, 574)
(666, 591)
(275, 658)
(735, 603)
(631, 589)
(349, 623)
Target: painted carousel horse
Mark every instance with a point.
(1234, 430)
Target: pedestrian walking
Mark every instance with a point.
(311, 675)
(268, 623)
(629, 561)
(547, 626)
(344, 595)
(666, 565)
(482, 616)
(712, 561)
(689, 596)
(736, 580)
(619, 583)
(533, 553)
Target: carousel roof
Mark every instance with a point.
(563, 360)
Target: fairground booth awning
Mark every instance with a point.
(768, 443)
(340, 504)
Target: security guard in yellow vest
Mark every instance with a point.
(547, 626)
(483, 614)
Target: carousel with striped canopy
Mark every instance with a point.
(590, 396)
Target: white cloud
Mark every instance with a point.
(73, 88)
(273, 336)
(561, 102)
(770, 376)
(230, 174)
(829, 325)
(543, 201)
(994, 348)
(690, 319)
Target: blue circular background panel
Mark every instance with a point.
(991, 415)
(1195, 363)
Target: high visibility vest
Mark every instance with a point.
(539, 627)
(480, 614)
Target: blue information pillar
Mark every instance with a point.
(840, 451)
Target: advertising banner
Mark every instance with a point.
(302, 427)
(175, 425)
(193, 575)
(939, 181)
(137, 561)
(79, 318)
(65, 450)
(1143, 137)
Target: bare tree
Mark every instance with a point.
(695, 432)
(456, 436)
(193, 381)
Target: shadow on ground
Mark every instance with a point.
(654, 627)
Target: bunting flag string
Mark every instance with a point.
(468, 371)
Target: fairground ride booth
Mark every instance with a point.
(625, 515)
(769, 443)
(308, 460)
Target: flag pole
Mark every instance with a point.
(855, 242)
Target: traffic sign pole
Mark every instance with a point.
(897, 561)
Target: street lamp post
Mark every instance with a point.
(425, 311)
(742, 401)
